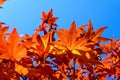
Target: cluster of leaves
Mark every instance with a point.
(76, 54)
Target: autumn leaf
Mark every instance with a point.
(20, 69)
(48, 18)
(90, 28)
(42, 43)
(98, 33)
(68, 40)
(95, 36)
(12, 48)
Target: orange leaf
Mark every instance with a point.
(98, 33)
(20, 69)
(49, 19)
(90, 28)
(68, 40)
(42, 43)
(12, 48)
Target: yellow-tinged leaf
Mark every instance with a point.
(42, 43)
(62, 36)
(85, 48)
(72, 36)
(87, 55)
(76, 52)
(68, 38)
(71, 40)
(20, 69)
(45, 40)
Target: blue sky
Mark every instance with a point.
(26, 14)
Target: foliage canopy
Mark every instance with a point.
(77, 53)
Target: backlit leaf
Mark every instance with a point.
(20, 69)
(12, 48)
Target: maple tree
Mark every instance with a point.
(80, 53)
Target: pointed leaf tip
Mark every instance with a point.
(73, 25)
(90, 27)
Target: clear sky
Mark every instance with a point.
(26, 14)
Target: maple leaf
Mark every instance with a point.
(71, 42)
(49, 19)
(68, 40)
(12, 48)
(42, 47)
(95, 36)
